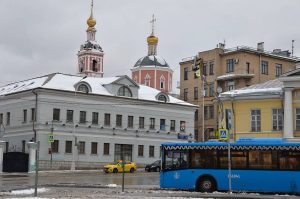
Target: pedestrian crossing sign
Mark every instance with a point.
(223, 134)
(50, 137)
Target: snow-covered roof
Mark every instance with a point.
(234, 76)
(65, 82)
(270, 87)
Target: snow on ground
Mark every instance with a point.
(28, 191)
(112, 185)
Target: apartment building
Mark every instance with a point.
(224, 70)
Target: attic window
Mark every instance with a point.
(162, 97)
(83, 88)
(124, 91)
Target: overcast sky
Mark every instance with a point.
(38, 37)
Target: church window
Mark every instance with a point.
(81, 65)
(83, 88)
(162, 82)
(124, 91)
(94, 66)
(147, 80)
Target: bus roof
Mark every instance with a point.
(242, 143)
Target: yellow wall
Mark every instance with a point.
(242, 120)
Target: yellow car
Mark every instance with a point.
(117, 167)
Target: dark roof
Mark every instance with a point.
(151, 60)
(88, 45)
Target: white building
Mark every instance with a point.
(100, 114)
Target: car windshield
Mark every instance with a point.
(157, 162)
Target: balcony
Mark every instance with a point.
(238, 74)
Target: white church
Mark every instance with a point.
(88, 120)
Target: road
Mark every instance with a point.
(11, 181)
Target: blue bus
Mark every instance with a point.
(257, 165)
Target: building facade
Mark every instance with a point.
(270, 109)
(94, 121)
(224, 70)
(153, 70)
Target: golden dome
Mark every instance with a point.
(91, 22)
(152, 40)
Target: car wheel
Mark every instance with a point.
(115, 170)
(206, 184)
(131, 170)
(157, 169)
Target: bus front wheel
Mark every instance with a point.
(206, 184)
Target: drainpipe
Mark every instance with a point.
(37, 143)
(259, 68)
(233, 115)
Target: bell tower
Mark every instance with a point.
(90, 55)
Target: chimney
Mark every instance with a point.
(260, 46)
(221, 46)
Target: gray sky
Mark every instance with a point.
(38, 37)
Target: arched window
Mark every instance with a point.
(162, 98)
(94, 67)
(81, 65)
(162, 82)
(83, 88)
(147, 80)
(124, 91)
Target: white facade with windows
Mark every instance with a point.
(93, 120)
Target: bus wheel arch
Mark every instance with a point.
(206, 183)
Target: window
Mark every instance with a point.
(24, 116)
(211, 90)
(195, 93)
(208, 112)
(118, 120)
(211, 68)
(204, 69)
(297, 119)
(94, 66)
(56, 114)
(182, 126)
(278, 69)
(82, 117)
(8, 118)
(83, 88)
(33, 114)
(147, 80)
(162, 98)
(6, 147)
(277, 119)
(152, 123)
(54, 146)
(124, 91)
(264, 67)
(205, 90)
(255, 120)
(151, 151)
(95, 117)
(185, 94)
(68, 148)
(162, 82)
(81, 147)
(141, 122)
(196, 117)
(230, 85)
(106, 149)
(123, 151)
(185, 73)
(162, 124)
(140, 150)
(107, 119)
(229, 65)
(172, 125)
(69, 116)
(228, 121)
(94, 148)
(130, 122)
(1, 118)
(248, 67)
(23, 146)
